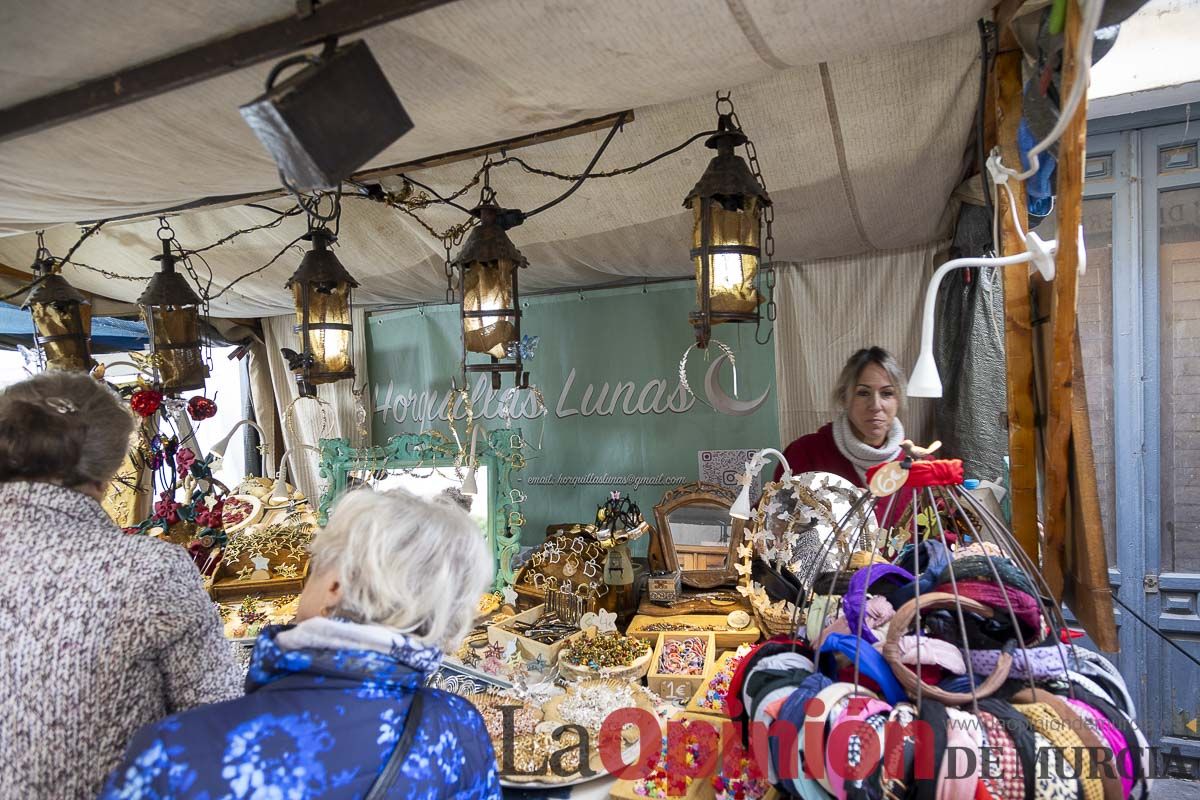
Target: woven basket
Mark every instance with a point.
(773, 622)
(634, 672)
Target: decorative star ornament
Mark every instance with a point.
(745, 479)
(210, 501)
(510, 595)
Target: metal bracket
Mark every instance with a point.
(1150, 584)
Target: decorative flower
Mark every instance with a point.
(145, 402)
(184, 459)
(201, 408)
(209, 516)
(167, 509)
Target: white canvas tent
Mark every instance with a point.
(861, 112)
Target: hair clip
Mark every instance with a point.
(517, 496)
(62, 405)
(516, 519)
(516, 442)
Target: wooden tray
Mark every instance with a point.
(693, 707)
(500, 634)
(726, 637)
(230, 588)
(670, 686)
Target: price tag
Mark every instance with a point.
(889, 479)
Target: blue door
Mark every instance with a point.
(1139, 324)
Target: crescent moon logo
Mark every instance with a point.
(721, 401)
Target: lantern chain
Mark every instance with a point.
(448, 242)
(725, 102)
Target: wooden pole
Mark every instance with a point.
(1018, 313)
(1060, 369)
(1087, 591)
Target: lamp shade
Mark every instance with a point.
(62, 320)
(171, 311)
(925, 380)
(321, 288)
(727, 204)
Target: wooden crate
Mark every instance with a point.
(701, 789)
(500, 633)
(693, 708)
(670, 686)
(727, 638)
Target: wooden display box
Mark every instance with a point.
(501, 634)
(727, 638)
(671, 686)
(693, 708)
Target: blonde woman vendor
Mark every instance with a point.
(866, 430)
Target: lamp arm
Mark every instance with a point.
(760, 458)
(287, 455)
(944, 270)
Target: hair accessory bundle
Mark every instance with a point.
(958, 631)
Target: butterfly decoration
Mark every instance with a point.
(526, 348)
(743, 568)
(745, 551)
(606, 621)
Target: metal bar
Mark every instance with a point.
(212, 59)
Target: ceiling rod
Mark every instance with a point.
(311, 25)
(375, 173)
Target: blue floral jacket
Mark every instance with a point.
(313, 724)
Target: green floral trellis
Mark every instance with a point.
(500, 451)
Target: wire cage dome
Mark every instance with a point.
(910, 609)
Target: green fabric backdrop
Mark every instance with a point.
(608, 368)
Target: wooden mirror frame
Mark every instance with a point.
(694, 494)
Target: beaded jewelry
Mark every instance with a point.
(682, 656)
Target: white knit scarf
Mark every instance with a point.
(862, 455)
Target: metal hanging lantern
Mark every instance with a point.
(488, 265)
(62, 318)
(727, 204)
(171, 311)
(322, 289)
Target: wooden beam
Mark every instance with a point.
(375, 173)
(502, 146)
(1060, 371)
(1088, 592)
(1018, 312)
(211, 59)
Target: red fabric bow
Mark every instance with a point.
(942, 472)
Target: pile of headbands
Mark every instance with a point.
(954, 643)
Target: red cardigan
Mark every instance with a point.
(818, 452)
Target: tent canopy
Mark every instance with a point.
(861, 114)
(109, 335)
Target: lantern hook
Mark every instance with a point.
(165, 232)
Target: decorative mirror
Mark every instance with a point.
(696, 535)
(429, 464)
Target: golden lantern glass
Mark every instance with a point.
(488, 265)
(727, 204)
(321, 288)
(62, 321)
(171, 311)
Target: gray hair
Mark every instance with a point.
(415, 565)
(63, 427)
(848, 378)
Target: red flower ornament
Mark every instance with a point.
(167, 509)
(145, 402)
(201, 408)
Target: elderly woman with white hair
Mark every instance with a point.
(336, 705)
(866, 428)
